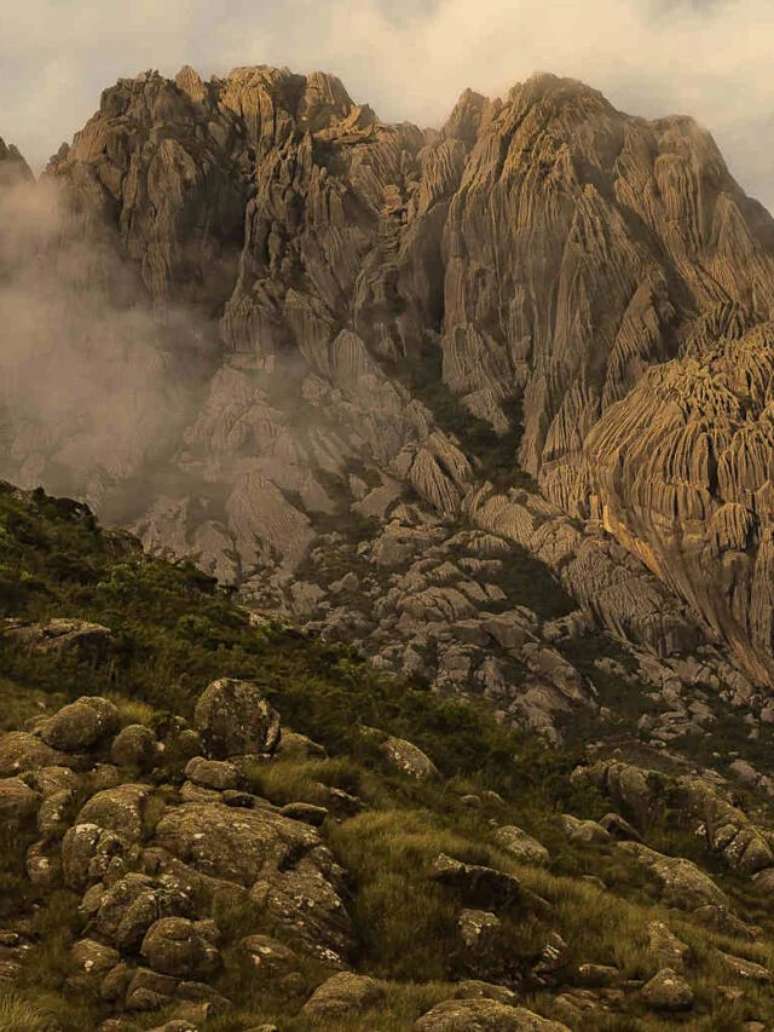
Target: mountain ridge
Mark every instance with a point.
(373, 279)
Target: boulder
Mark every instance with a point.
(520, 845)
(94, 958)
(214, 774)
(22, 751)
(18, 801)
(238, 846)
(235, 719)
(120, 809)
(344, 995)
(55, 813)
(668, 991)
(270, 957)
(746, 970)
(123, 912)
(89, 852)
(88, 640)
(682, 883)
(175, 946)
(484, 1016)
(477, 886)
(135, 747)
(475, 989)
(408, 759)
(81, 725)
(586, 832)
(666, 948)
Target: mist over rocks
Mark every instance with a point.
(265, 328)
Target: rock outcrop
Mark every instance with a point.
(549, 320)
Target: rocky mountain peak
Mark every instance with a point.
(13, 167)
(547, 324)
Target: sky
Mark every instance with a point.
(410, 59)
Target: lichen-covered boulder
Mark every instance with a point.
(343, 995)
(305, 901)
(62, 635)
(667, 949)
(135, 746)
(94, 958)
(55, 813)
(89, 852)
(175, 946)
(681, 882)
(269, 956)
(17, 800)
(22, 751)
(123, 912)
(235, 719)
(668, 991)
(521, 846)
(478, 886)
(484, 1015)
(80, 725)
(408, 759)
(233, 845)
(215, 774)
(120, 809)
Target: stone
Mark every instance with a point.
(408, 758)
(174, 946)
(521, 846)
(293, 744)
(477, 886)
(343, 995)
(123, 912)
(80, 725)
(484, 1016)
(306, 812)
(619, 828)
(55, 813)
(94, 958)
(235, 719)
(668, 991)
(90, 852)
(120, 810)
(61, 635)
(666, 948)
(475, 989)
(269, 957)
(18, 801)
(214, 774)
(21, 751)
(682, 883)
(588, 832)
(135, 747)
(745, 969)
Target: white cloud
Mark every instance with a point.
(709, 58)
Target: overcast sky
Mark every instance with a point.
(409, 59)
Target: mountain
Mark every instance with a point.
(213, 821)
(400, 384)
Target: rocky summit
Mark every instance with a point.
(440, 697)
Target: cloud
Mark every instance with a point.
(91, 384)
(409, 58)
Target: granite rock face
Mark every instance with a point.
(549, 321)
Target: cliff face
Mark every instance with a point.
(546, 282)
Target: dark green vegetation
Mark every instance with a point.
(174, 632)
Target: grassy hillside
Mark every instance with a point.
(173, 632)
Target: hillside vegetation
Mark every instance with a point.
(364, 851)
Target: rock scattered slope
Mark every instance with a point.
(545, 285)
(176, 858)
